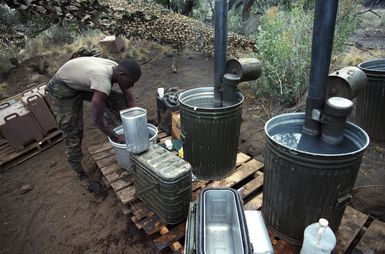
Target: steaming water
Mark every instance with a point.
(312, 144)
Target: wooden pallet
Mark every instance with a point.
(356, 233)
(9, 157)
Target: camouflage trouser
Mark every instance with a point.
(67, 108)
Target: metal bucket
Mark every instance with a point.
(371, 102)
(210, 135)
(303, 185)
(122, 154)
(134, 124)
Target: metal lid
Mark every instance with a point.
(340, 103)
(163, 163)
(374, 68)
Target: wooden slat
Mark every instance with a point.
(169, 237)
(153, 225)
(163, 140)
(241, 158)
(15, 158)
(162, 135)
(109, 169)
(140, 210)
(106, 161)
(140, 223)
(6, 150)
(32, 149)
(198, 184)
(122, 183)
(241, 173)
(254, 204)
(351, 224)
(117, 175)
(252, 186)
(126, 195)
(103, 154)
(99, 148)
(373, 241)
(3, 141)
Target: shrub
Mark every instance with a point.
(284, 48)
(5, 65)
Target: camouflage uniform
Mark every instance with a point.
(67, 108)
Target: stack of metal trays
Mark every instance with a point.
(163, 181)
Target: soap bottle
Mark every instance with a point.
(318, 238)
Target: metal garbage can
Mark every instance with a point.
(304, 184)
(371, 102)
(210, 134)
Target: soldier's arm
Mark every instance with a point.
(129, 98)
(97, 110)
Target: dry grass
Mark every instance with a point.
(354, 56)
(371, 20)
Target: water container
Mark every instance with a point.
(135, 129)
(122, 154)
(318, 238)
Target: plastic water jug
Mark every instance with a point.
(318, 238)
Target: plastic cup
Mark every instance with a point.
(160, 92)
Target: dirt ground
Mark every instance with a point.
(59, 216)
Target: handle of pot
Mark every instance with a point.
(8, 117)
(343, 201)
(147, 189)
(41, 85)
(5, 105)
(27, 92)
(31, 98)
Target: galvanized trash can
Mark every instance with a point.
(135, 129)
(371, 102)
(303, 185)
(217, 225)
(122, 154)
(210, 135)
(163, 181)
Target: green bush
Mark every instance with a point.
(284, 48)
(5, 65)
(347, 23)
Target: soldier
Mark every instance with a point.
(91, 79)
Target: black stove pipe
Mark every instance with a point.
(220, 51)
(323, 31)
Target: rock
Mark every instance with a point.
(53, 164)
(26, 188)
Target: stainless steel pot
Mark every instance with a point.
(135, 129)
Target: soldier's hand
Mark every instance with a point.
(121, 139)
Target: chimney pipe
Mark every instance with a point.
(323, 31)
(220, 51)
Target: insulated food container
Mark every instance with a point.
(163, 181)
(217, 224)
